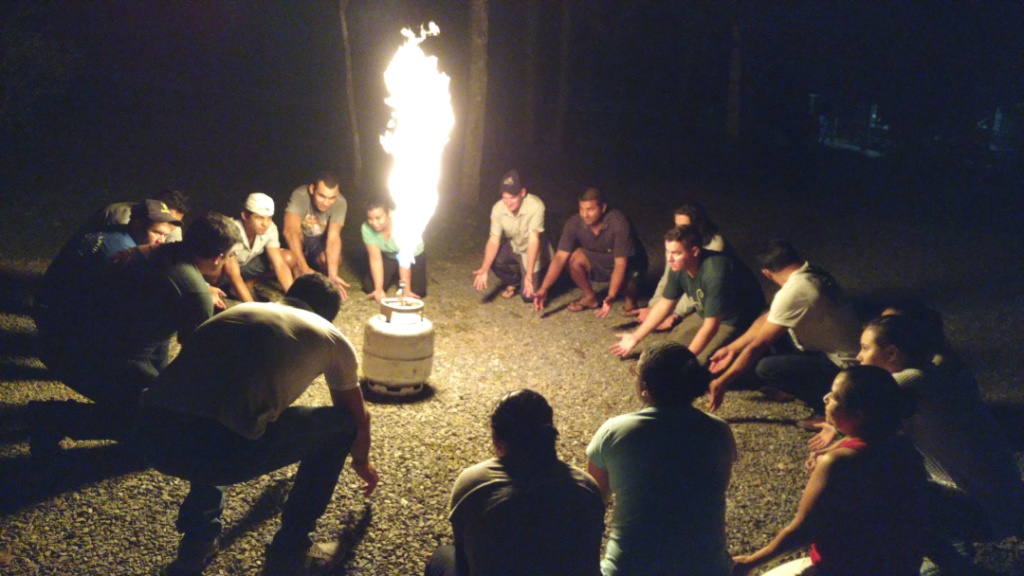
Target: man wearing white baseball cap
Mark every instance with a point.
(259, 256)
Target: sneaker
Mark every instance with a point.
(318, 559)
(194, 555)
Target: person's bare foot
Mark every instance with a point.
(509, 291)
(583, 304)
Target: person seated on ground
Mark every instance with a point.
(119, 214)
(382, 251)
(689, 214)
(106, 335)
(863, 509)
(313, 221)
(822, 334)
(221, 414)
(600, 245)
(523, 512)
(517, 249)
(259, 256)
(725, 292)
(71, 279)
(668, 466)
(977, 490)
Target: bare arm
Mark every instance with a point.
(554, 271)
(658, 312)
(799, 532)
(281, 268)
(707, 331)
(352, 400)
(294, 238)
(490, 253)
(376, 271)
(756, 346)
(532, 251)
(234, 272)
(332, 252)
(600, 475)
(614, 286)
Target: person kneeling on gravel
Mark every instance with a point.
(221, 414)
(524, 512)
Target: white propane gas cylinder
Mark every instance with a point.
(398, 348)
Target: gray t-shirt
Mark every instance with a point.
(548, 523)
(315, 222)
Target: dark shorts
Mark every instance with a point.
(313, 247)
(602, 265)
(257, 267)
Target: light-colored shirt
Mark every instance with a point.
(669, 469)
(245, 365)
(388, 246)
(245, 252)
(315, 222)
(818, 316)
(518, 227)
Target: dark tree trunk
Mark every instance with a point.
(476, 104)
(350, 99)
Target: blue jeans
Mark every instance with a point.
(211, 456)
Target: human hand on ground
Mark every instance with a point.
(605, 308)
(480, 279)
(624, 346)
(538, 300)
(377, 295)
(411, 294)
(666, 324)
(721, 360)
(368, 472)
(717, 390)
(528, 286)
(218, 296)
(341, 284)
(741, 565)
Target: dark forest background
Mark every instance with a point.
(106, 101)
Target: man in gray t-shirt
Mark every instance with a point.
(313, 221)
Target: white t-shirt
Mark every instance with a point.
(245, 365)
(819, 318)
(245, 252)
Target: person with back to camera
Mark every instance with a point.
(863, 509)
(524, 512)
(382, 252)
(689, 214)
(222, 414)
(668, 466)
(976, 490)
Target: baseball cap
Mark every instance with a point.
(510, 183)
(260, 203)
(153, 211)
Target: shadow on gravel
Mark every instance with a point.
(25, 481)
(16, 287)
(426, 393)
(265, 508)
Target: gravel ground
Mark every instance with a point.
(103, 515)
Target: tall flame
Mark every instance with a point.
(421, 121)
